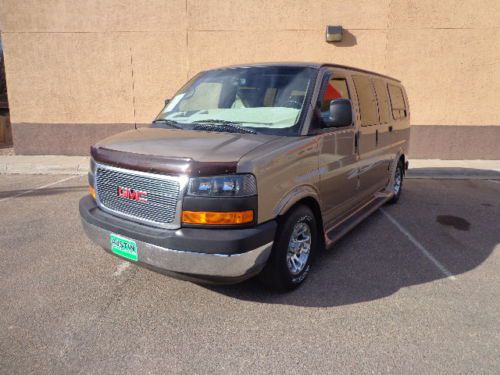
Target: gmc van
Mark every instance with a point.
(250, 170)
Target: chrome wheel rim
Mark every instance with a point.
(398, 179)
(299, 248)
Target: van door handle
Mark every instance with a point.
(376, 136)
(356, 141)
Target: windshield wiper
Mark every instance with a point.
(171, 123)
(222, 126)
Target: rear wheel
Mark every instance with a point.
(293, 250)
(398, 182)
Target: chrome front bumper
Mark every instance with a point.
(233, 266)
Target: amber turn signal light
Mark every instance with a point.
(92, 192)
(217, 218)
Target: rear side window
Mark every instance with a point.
(398, 105)
(366, 100)
(383, 100)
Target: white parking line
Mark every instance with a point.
(121, 268)
(38, 188)
(419, 246)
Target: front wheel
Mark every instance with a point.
(293, 250)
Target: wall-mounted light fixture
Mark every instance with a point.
(333, 34)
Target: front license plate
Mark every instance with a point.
(123, 247)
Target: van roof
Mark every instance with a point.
(310, 65)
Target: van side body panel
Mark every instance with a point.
(338, 159)
(373, 166)
(397, 139)
(326, 166)
(339, 179)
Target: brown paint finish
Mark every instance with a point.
(175, 151)
(176, 143)
(162, 165)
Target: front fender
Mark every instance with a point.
(294, 196)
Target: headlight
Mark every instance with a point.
(237, 185)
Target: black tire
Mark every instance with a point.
(277, 273)
(397, 191)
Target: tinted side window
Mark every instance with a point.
(382, 99)
(398, 105)
(367, 101)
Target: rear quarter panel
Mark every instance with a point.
(400, 137)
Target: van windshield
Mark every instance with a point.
(248, 99)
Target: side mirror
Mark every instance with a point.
(167, 101)
(340, 113)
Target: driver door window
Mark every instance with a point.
(336, 88)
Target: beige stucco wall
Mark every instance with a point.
(114, 61)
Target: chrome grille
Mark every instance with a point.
(162, 194)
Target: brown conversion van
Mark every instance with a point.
(250, 170)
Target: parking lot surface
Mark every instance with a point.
(413, 289)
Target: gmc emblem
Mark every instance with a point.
(133, 195)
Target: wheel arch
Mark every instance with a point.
(310, 200)
(402, 157)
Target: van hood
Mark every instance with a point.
(191, 144)
(176, 150)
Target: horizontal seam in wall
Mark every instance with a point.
(182, 30)
(92, 32)
(451, 125)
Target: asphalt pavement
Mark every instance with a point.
(413, 289)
